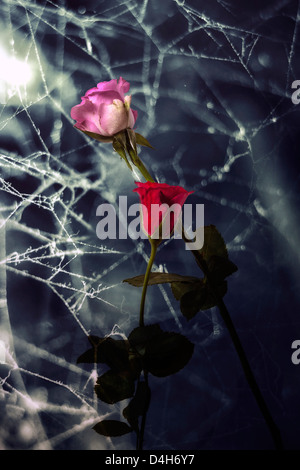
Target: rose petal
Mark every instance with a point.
(135, 115)
(86, 116)
(156, 200)
(106, 97)
(120, 87)
(87, 126)
(113, 117)
(88, 92)
(123, 85)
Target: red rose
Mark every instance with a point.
(105, 110)
(161, 207)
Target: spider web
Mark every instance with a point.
(212, 85)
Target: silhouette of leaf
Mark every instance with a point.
(167, 354)
(112, 387)
(162, 353)
(138, 405)
(112, 428)
(140, 337)
(114, 353)
(181, 288)
(200, 294)
(214, 244)
(159, 278)
(192, 301)
(200, 299)
(220, 268)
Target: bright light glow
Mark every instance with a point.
(13, 72)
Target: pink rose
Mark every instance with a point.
(105, 110)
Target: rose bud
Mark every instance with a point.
(161, 207)
(105, 110)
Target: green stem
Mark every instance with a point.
(140, 166)
(154, 245)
